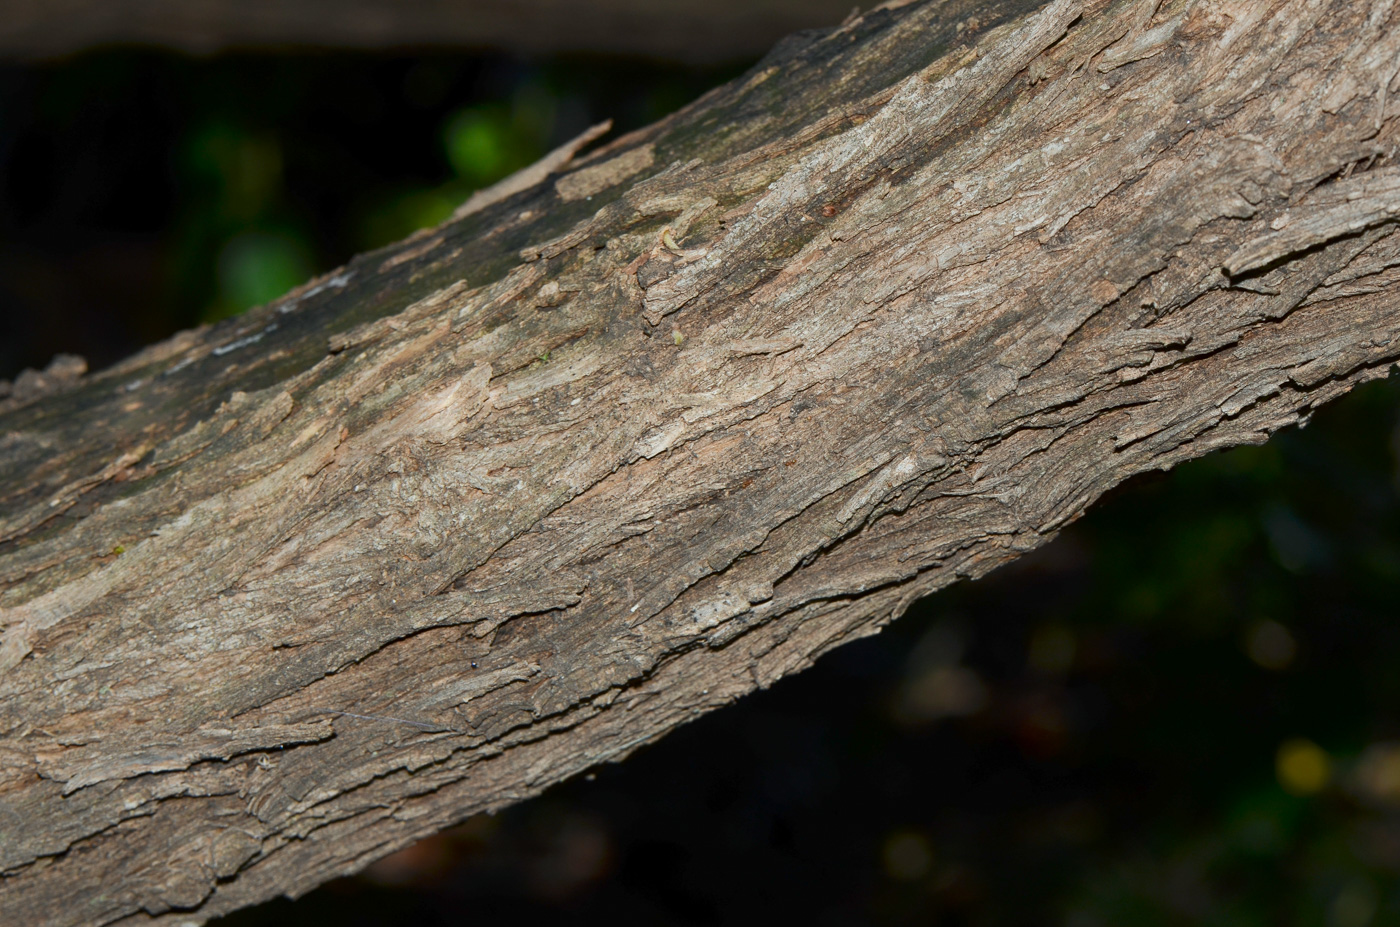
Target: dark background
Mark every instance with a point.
(1186, 710)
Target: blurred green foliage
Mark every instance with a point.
(142, 193)
(239, 206)
(255, 267)
(236, 183)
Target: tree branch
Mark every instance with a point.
(509, 499)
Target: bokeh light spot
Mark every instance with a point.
(907, 856)
(477, 144)
(1303, 767)
(1052, 649)
(257, 267)
(1377, 773)
(1270, 645)
(1354, 906)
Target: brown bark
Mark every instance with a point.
(505, 501)
(715, 30)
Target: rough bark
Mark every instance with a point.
(482, 510)
(716, 30)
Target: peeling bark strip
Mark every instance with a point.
(478, 512)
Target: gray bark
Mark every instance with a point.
(507, 500)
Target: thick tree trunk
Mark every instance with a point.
(505, 501)
(715, 30)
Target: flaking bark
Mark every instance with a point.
(477, 512)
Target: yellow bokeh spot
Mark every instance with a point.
(1303, 767)
(1052, 649)
(907, 855)
(1270, 645)
(1378, 773)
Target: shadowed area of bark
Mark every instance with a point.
(509, 499)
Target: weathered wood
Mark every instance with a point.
(507, 500)
(716, 30)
